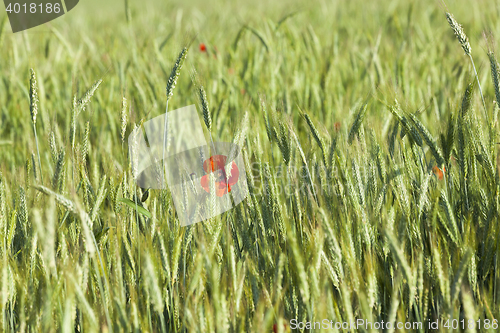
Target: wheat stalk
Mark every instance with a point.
(172, 81)
(464, 42)
(204, 106)
(431, 142)
(357, 123)
(174, 74)
(34, 112)
(123, 119)
(202, 97)
(33, 96)
(86, 144)
(79, 106)
(316, 135)
(495, 75)
(459, 33)
(127, 11)
(82, 103)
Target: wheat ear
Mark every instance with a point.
(464, 41)
(172, 81)
(34, 112)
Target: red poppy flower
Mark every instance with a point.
(216, 164)
(438, 172)
(203, 48)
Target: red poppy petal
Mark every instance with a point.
(219, 161)
(205, 166)
(214, 163)
(221, 191)
(221, 188)
(204, 183)
(235, 173)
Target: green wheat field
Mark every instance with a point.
(370, 137)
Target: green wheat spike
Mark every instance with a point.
(357, 122)
(431, 142)
(316, 135)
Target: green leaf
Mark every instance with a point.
(141, 210)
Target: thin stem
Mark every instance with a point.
(480, 90)
(212, 143)
(99, 282)
(138, 235)
(38, 153)
(165, 128)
